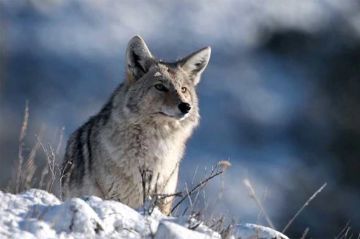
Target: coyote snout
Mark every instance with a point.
(176, 108)
(184, 107)
(144, 125)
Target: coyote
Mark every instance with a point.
(142, 128)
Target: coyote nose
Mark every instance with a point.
(184, 107)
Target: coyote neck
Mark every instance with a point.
(145, 144)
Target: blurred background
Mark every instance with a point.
(280, 98)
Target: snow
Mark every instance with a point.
(168, 229)
(248, 230)
(39, 214)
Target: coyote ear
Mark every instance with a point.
(195, 63)
(138, 58)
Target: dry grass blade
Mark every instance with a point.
(306, 231)
(187, 193)
(194, 175)
(303, 207)
(52, 166)
(21, 147)
(257, 201)
(226, 233)
(348, 230)
(52, 169)
(343, 230)
(26, 175)
(263, 198)
(146, 176)
(30, 166)
(61, 137)
(217, 224)
(45, 171)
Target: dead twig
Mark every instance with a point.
(198, 186)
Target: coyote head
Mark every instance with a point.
(162, 91)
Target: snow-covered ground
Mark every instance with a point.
(39, 214)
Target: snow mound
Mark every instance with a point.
(39, 214)
(250, 231)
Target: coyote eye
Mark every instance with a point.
(183, 89)
(161, 87)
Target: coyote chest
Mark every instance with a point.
(137, 149)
